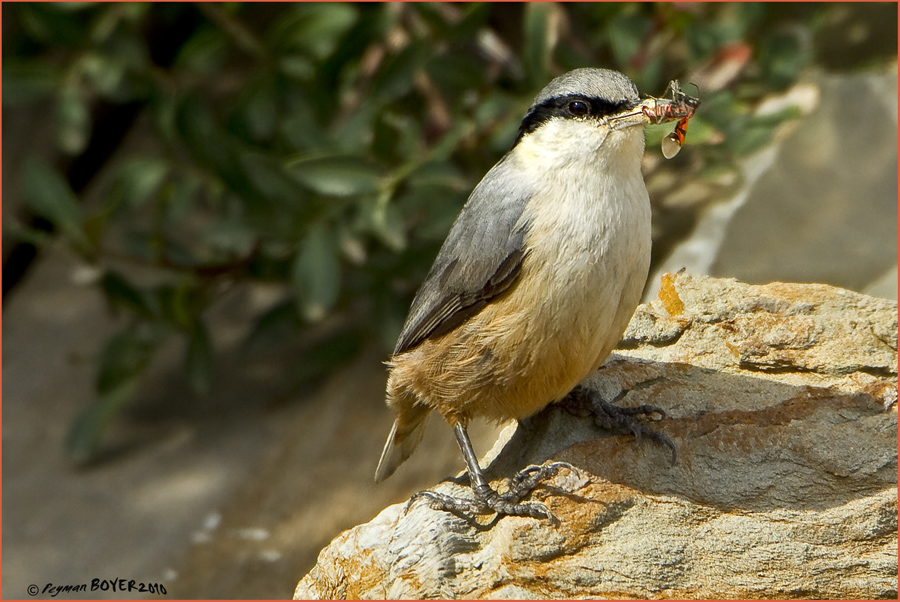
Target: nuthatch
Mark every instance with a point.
(538, 277)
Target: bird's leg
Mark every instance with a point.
(521, 485)
(621, 421)
(486, 499)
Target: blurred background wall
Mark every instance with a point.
(215, 217)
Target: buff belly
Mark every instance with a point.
(512, 359)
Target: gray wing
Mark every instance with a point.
(480, 258)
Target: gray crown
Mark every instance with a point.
(598, 83)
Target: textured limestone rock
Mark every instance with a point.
(781, 400)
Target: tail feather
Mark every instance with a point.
(405, 436)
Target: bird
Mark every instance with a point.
(536, 281)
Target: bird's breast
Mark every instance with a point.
(587, 263)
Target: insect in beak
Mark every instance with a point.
(680, 107)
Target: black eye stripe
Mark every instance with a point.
(562, 106)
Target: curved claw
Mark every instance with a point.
(448, 503)
(624, 420)
(501, 504)
(645, 410)
(528, 478)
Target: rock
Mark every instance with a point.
(781, 400)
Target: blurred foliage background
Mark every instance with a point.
(325, 148)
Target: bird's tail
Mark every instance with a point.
(406, 434)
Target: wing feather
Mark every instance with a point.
(480, 259)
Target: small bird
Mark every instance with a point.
(536, 281)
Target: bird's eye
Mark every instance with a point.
(578, 108)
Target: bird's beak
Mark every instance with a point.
(629, 118)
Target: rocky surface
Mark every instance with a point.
(781, 400)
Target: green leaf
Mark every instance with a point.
(232, 235)
(537, 45)
(355, 132)
(454, 74)
(438, 173)
(625, 33)
(259, 107)
(302, 129)
(450, 140)
(475, 17)
(74, 121)
(85, 433)
(48, 195)
(409, 135)
(73, 7)
(137, 180)
(104, 71)
(16, 230)
(186, 192)
(297, 67)
(395, 78)
(314, 28)
(335, 175)
(199, 358)
(316, 273)
(435, 20)
(387, 223)
(782, 56)
(204, 52)
(125, 356)
(195, 121)
(30, 81)
(177, 304)
(373, 22)
(122, 364)
(43, 21)
(141, 244)
(271, 182)
(120, 293)
(420, 200)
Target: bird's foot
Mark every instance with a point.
(509, 503)
(621, 421)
